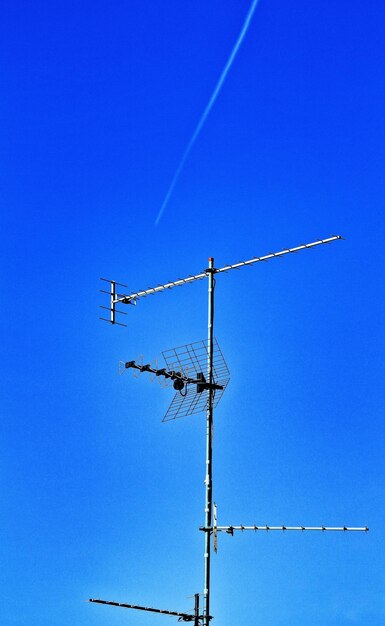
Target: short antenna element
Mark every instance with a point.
(199, 376)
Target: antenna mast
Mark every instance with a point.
(209, 443)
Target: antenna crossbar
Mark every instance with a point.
(130, 298)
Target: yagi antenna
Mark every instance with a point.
(231, 529)
(199, 375)
(131, 298)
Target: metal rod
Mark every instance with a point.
(107, 308)
(115, 322)
(209, 448)
(215, 526)
(231, 529)
(108, 280)
(170, 285)
(196, 610)
(112, 302)
(273, 255)
(182, 281)
(184, 616)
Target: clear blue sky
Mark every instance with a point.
(99, 498)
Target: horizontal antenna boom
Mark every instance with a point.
(126, 299)
(185, 616)
(231, 529)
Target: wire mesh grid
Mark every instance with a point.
(190, 360)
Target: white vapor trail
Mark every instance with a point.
(208, 108)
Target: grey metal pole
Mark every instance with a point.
(209, 449)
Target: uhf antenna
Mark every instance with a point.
(199, 376)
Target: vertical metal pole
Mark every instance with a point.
(209, 449)
(196, 610)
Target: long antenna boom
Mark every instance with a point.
(230, 529)
(129, 298)
(184, 616)
(272, 255)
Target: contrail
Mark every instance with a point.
(208, 108)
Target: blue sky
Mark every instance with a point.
(99, 498)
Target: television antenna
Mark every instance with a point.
(199, 375)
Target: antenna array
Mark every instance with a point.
(199, 375)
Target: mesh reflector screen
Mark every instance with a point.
(190, 360)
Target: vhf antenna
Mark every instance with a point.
(195, 392)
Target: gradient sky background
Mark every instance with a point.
(99, 498)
